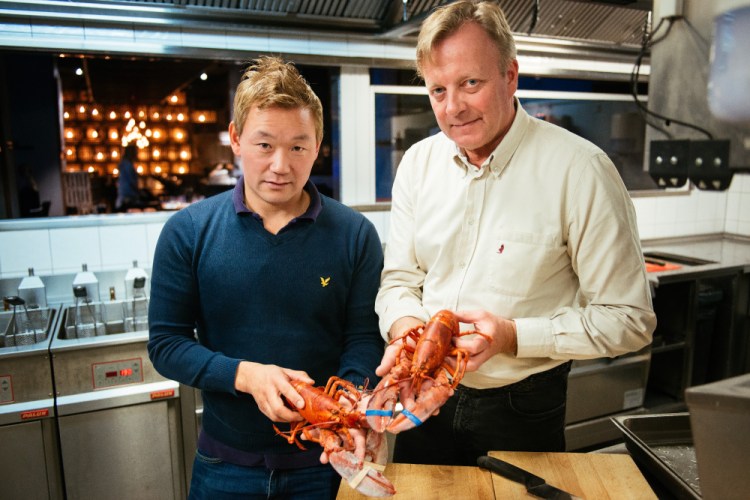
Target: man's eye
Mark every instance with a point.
(472, 82)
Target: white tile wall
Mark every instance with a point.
(121, 245)
(20, 250)
(738, 206)
(381, 222)
(112, 247)
(152, 236)
(63, 250)
(697, 212)
(693, 213)
(73, 247)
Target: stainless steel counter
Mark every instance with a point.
(725, 253)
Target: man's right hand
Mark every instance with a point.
(266, 384)
(398, 329)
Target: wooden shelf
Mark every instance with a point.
(93, 137)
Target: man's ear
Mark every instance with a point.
(234, 138)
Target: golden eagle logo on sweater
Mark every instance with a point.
(324, 281)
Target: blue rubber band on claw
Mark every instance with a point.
(411, 417)
(378, 413)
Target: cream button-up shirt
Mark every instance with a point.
(544, 233)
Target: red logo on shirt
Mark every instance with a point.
(500, 250)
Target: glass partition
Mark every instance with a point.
(612, 121)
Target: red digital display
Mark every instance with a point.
(113, 373)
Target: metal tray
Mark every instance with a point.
(663, 445)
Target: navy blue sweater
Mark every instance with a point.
(301, 299)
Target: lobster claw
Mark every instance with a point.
(382, 405)
(366, 477)
(380, 409)
(419, 407)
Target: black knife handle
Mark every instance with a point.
(509, 471)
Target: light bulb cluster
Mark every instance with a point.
(133, 134)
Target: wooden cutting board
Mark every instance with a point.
(431, 482)
(587, 475)
(597, 476)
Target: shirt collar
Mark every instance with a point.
(312, 212)
(501, 156)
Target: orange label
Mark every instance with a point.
(28, 415)
(162, 394)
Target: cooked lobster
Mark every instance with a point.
(420, 378)
(329, 413)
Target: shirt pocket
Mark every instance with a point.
(519, 263)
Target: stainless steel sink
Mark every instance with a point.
(97, 319)
(25, 327)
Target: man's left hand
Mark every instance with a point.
(501, 331)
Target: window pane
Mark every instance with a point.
(615, 126)
(400, 121)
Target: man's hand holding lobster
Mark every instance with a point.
(359, 435)
(398, 329)
(334, 417)
(498, 336)
(266, 384)
(424, 364)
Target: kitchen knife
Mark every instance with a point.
(534, 484)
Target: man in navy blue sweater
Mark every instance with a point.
(261, 285)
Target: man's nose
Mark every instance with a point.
(454, 103)
(280, 162)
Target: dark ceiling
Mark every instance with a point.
(615, 23)
(114, 80)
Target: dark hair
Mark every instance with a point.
(130, 152)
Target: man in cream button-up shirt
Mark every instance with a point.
(524, 229)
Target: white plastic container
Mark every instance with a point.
(136, 282)
(87, 280)
(32, 291)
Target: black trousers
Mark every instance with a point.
(526, 416)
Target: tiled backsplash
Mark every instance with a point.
(683, 214)
(113, 244)
(65, 250)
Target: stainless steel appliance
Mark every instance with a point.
(720, 419)
(119, 421)
(28, 441)
(599, 389)
(191, 404)
(662, 446)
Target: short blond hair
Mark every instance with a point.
(271, 82)
(448, 19)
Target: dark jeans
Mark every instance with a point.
(526, 416)
(214, 479)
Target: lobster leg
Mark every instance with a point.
(291, 434)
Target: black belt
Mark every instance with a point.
(293, 460)
(527, 384)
